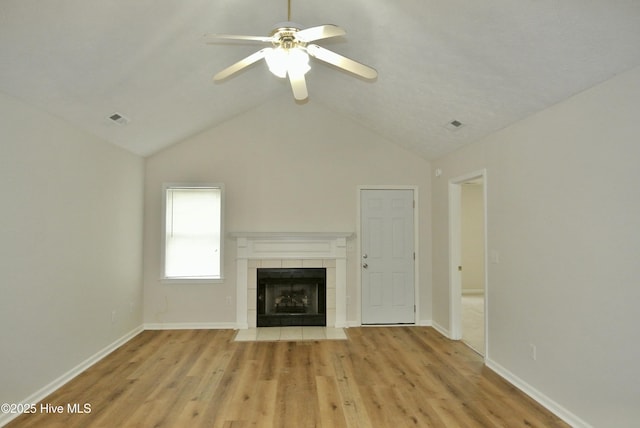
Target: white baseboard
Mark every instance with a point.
(191, 326)
(425, 323)
(472, 291)
(538, 396)
(39, 395)
(440, 329)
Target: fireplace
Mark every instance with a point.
(291, 297)
(257, 250)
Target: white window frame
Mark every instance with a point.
(191, 280)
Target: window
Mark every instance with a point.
(193, 232)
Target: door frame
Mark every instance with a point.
(416, 249)
(455, 255)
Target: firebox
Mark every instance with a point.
(292, 297)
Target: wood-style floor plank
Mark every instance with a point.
(380, 377)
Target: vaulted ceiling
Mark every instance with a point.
(485, 64)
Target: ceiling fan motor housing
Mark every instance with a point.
(284, 35)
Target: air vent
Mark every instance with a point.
(119, 119)
(454, 125)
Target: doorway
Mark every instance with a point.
(468, 275)
(387, 265)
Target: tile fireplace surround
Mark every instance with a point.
(291, 250)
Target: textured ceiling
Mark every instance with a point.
(486, 64)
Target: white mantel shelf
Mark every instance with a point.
(291, 235)
(291, 245)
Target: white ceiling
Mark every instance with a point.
(484, 63)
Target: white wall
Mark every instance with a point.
(286, 167)
(472, 237)
(563, 209)
(71, 245)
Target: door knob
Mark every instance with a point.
(364, 265)
(364, 256)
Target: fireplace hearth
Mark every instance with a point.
(291, 297)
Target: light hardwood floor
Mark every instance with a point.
(379, 377)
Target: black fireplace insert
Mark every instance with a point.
(292, 297)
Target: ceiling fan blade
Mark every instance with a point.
(234, 68)
(215, 38)
(320, 32)
(299, 86)
(342, 62)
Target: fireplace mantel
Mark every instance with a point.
(290, 246)
(289, 235)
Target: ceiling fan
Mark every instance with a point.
(289, 54)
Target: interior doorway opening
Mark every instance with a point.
(468, 260)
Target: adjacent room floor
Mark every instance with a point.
(473, 321)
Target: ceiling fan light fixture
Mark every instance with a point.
(284, 61)
(277, 60)
(298, 61)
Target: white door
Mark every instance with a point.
(387, 262)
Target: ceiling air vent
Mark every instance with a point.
(119, 119)
(454, 125)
